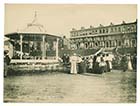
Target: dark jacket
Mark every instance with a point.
(7, 59)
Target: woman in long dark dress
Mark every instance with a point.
(83, 66)
(96, 64)
(124, 63)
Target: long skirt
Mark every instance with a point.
(130, 65)
(108, 66)
(82, 68)
(73, 68)
(96, 68)
(102, 69)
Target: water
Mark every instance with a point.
(112, 87)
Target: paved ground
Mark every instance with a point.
(112, 87)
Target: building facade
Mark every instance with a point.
(122, 35)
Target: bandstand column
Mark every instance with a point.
(21, 47)
(57, 48)
(43, 47)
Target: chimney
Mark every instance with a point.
(82, 28)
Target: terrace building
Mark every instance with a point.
(122, 35)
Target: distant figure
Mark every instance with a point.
(67, 59)
(90, 61)
(94, 63)
(74, 61)
(129, 64)
(102, 66)
(109, 59)
(64, 62)
(6, 63)
(124, 63)
(64, 59)
(83, 66)
(105, 58)
(134, 61)
(79, 64)
(96, 66)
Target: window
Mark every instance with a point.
(96, 31)
(107, 30)
(103, 30)
(100, 31)
(119, 43)
(115, 29)
(119, 29)
(111, 29)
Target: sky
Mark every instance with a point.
(59, 19)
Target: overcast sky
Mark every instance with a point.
(60, 19)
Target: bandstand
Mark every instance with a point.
(33, 46)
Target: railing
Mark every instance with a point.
(34, 61)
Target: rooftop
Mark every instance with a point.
(102, 26)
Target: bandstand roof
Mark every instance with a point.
(33, 29)
(30, 36)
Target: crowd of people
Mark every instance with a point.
(98, 64)
(93, 64)
(128, 62)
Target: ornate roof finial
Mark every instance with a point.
(35, 17)
(34, 25)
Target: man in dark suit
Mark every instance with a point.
(6, 62)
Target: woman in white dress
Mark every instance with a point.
(129, 63)
(73, 61)
(90, 61)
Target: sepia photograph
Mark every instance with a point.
(70, 53)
